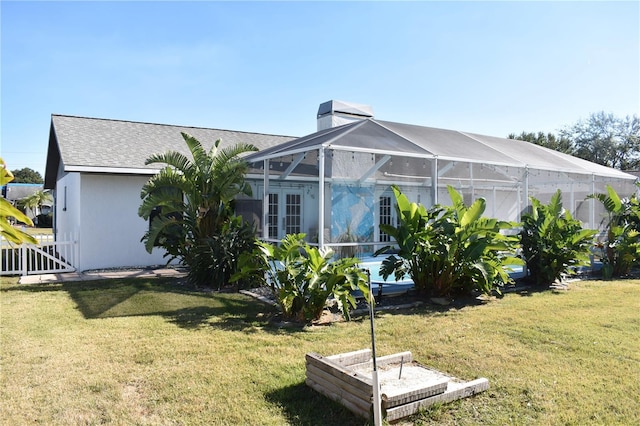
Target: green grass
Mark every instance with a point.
(37, 231)
(149, 353)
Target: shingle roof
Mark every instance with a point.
(123, 146)
(18, 191)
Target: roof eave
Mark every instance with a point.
(111, 170)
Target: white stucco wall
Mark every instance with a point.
(67, 206)
(111, 228)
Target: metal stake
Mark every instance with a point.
(377, 407)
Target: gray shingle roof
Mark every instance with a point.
(123, 146)
(18, 191)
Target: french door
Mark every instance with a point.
(285, 213)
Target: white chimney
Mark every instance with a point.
(336, 113)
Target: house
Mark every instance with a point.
(96, 169)
(14, 192)
(334, 185)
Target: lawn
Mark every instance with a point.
(143, 351)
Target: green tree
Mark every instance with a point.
(26, 175)
(606, 139)
(191, 200)
(8, 211)
(548, 140)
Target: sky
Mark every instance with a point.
(492, 68)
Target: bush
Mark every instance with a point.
(553, 242)
(215, 259)
(448, 249)
(302, 277)
(621, 247)
(44, 220)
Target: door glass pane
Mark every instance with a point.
(385, 216)
(292, 214)
(273, 216)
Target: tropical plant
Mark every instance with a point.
(553, 242)
(215, 259)
(448, 248)
(35, 200)
(621, 247)
(8, 211)
(302, 277)
(190, 201)
(347, 237)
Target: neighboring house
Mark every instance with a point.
(336, 180)
(14, 192)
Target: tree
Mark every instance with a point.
(602, 138)
(189, 201)
(606, 139)
(27, 175)
(8, 211)
(35, 200)
(549, 140)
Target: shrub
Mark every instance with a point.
(553, 242)
(303, 277)
(215, 259)
(449, 248)
(44, 220)
(621, 247)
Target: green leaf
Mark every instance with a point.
(474, 212)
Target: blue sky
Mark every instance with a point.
(487, 67)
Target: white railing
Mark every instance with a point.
(47, 257)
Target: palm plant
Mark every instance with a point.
(190, 200)
(36, 200)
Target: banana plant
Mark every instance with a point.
(446, 249)
(622, 244)
(553, 242)
(302, 277)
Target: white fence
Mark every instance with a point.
(47, 257)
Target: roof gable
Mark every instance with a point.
(116, 146)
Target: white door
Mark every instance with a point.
(285, 213)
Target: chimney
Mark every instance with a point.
(336, 113)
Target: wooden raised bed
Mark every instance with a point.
(405, 385)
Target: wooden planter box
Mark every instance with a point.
(405, 385)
